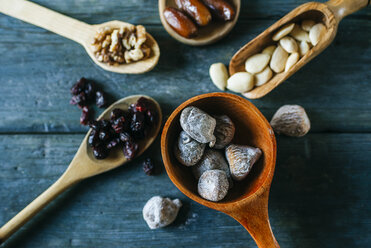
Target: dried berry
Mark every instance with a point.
(241, 159)
(187, 150)
(125, 137)
(100, 99)
(148, 167)
(130, 149)
(93, 139)
(120, 124)
(100, 152)
(113, 143)
(85, 115)
(79, 86)
(213, 185)
(116, 113)
(79, 100)
(199, 125)
(137, 122)
(159, 212)
(224, 131)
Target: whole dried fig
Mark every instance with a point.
(187, 150)
(199, 125)
(291, 120)
(241, 159)
(224, 131)
(213, 185)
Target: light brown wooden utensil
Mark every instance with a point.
(78, 31)
(329, 13)
(247, 201)
(211, 33)
(83, 165)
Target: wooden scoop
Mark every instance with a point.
(247, 201)
(329, 13)
(83, 165)
(78, 31)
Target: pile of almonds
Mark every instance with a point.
(293, 41)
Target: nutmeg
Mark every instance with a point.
(291, 120)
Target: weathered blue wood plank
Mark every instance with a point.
(334, 87)
(319, 198)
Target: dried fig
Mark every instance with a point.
(188, 151)
(291, 120)
(224, 131)
(241, 159)
(213, 185)
(199, 125)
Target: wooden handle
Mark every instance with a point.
(254, 217)
(342, 8)
(47, 19)
(63, 183)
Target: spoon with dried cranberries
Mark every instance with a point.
(131, 123)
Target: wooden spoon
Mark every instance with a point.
(329, 13)
(247, 201)
(83, 165)
(211, 33)
(78, 31)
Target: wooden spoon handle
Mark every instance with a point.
(47, 19)
(342, 8)
(63, 183)
(254, 217)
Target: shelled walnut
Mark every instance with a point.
(121, 45)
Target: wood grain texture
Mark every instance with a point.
(318, 198)
(320, 192)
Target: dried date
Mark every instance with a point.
(180, 23)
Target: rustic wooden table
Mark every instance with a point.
(320, 194)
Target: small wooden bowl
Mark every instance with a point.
(211, 33)
(247, 201)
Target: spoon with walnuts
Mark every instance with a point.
(115, 46)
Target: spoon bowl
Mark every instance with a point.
(78, 31)
(211, 33)
(329, 13)
(247, 201)
(82, 166)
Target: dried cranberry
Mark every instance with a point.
(151, 117)
(100, 99)
(93, 139)
(137, 122)
(120, 124)
(113, 143)
(78, 86)
(103, 124)
(130, 149)
(89, 90)
(100, 152)
(125, 137)
(79, 99)
(94, 125)
(116, 113)
(148, 167)
(104, 135)
(85, 115)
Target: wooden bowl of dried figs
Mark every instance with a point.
(247, 200)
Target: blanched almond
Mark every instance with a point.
(306, 25)
(316, 33)
(219, 75)
(269, 50)
(289, 44)
(263, 77)
(279, 59)
(282, 32)
(240, 82)
(257, 62)
(303, 48)
(299, 34)
(291, 60)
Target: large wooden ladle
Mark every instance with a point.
(247, 201)
(82, 166)
(329, 13)
(78, 31)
